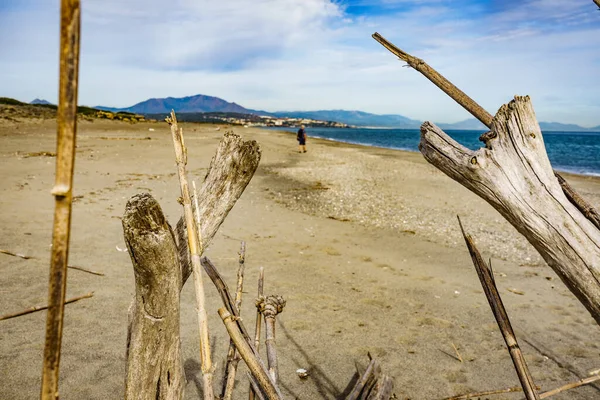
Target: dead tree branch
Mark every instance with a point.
(514, 175)
(478, 112)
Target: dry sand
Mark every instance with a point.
(362, 242)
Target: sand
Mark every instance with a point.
(362, 242)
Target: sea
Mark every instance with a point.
(574, 152)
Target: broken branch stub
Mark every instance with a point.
(514, 175)
(154, 369)
(230, 171)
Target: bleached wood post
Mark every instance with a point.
(153, 347)
(154, 368)
(514, 175)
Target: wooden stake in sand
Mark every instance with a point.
(269, 308)
(40, 308)
(196, 249)
(261, 284)
(233, 357)
(488, 283)
(62, 191)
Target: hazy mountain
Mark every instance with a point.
(190, 104)
(358, 118)
(209, 104)
(557, 126)
(474, 124)
(40, 101)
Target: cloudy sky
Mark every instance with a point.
(315, 54)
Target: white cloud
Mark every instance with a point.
(310, 54)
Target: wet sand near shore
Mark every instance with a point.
(362, 242)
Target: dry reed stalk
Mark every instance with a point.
(40, 308)
(268, 387)
(66, 117)
(10, 253)
(488, 283)
(572, 385)
(233, 357)
(270, 307)
(195, 248)
(484, 393)
(482, 115)
(89, 271)
(257, 325)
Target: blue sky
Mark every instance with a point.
(315, 54)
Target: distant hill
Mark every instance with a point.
(42, 102)
(209, 104)
(190, 104)
(474, 124)
(357, 118)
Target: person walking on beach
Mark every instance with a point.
(301, 140)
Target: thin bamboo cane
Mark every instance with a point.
(255, 365)
(66, 117)
(196, 250)
(233, 357)
(40, 308)
(488, 283)
(261, 284)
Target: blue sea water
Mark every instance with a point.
(575, 152)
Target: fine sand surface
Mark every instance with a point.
(362, 242)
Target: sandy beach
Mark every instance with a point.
(363, 243)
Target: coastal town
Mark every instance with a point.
(253, 120)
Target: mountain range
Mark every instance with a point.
(204, 104)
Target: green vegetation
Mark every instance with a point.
(43, 110)
(11, 102)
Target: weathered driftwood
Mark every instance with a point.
(372, 384)
(196, 249)
(481, 114)
(264, 382)
(233, 357)
(154, 369)
(229, 173)
(514, 175)
(486, 277)
(269, 308)
(66, 118)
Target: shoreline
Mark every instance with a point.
(407, 150)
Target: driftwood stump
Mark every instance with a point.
(161, 259)
(514, 175)
(154, 368)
